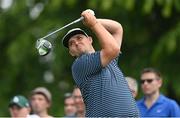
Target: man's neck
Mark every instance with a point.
(151, 99)
(44, 114)
(91, 50)
(87, 52)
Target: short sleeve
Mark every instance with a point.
(86, 66)
(175, 109)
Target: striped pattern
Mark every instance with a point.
(104, 90)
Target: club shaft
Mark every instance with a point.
(78, 20)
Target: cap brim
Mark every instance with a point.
(70, 34)
(15, 104)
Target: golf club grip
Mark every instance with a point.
(81, 18)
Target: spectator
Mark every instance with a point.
(155, 104)
(40, 100)
(133, 85)
(19, 107)
(79, 102)
(69, 105)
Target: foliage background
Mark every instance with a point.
(151, 39)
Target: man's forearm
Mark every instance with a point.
(114, 28)
(104, 36)
(109, 46)
(110, 25)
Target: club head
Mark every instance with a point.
(43, 46)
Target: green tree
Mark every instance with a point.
(151, 38)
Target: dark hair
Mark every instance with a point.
(151, 70)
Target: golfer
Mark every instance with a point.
(104, 89)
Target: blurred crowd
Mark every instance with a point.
(152, 104)
(35, 106)
(39, 102)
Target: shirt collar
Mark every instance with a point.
(159, 100)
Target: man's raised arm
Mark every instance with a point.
(108, 33)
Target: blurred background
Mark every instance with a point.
(151, 39)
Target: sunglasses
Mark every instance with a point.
(147, 80)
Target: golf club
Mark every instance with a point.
(44, 46)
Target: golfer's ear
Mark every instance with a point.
(90, 38)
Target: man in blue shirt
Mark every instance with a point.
(154, 104)
(104, 89)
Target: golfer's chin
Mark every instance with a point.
(79, 53)
(148, 93)
(81, 50)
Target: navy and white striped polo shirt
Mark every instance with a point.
(104, 89)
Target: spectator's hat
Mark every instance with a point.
(42, 90)
(20, 101)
